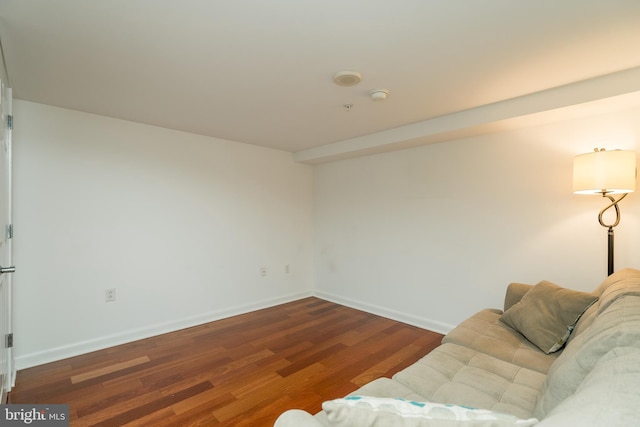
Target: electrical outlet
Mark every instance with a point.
(287, 269)
(110, 295)
(263, 271)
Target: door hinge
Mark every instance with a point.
(10, 122)
(10, 231)
(8, 340)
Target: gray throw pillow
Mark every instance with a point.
(547, 314)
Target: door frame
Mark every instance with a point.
(6, 127)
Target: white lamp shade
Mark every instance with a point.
(610, 172)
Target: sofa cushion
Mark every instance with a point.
(484, 332)
(455, 374)
(362, 411)
(547, 314)
(608, 396)
(617, 326)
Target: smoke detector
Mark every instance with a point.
(379, 94)
(347, 78)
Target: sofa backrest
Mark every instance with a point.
(608, 396)
(619, 283)
(613, 321)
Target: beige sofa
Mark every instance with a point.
(504, 368)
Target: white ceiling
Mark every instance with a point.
(260, 72)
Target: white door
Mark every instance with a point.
(6, 360)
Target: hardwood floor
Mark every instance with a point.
(240, 371)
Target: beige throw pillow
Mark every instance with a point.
(547, 314)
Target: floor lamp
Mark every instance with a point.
(606, 173)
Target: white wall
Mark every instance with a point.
(431, 235)
(179, 224)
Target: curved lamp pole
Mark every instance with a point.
(614, 204)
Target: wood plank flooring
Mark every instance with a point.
(240, 371)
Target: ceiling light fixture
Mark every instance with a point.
(379, 94)
(347, 78)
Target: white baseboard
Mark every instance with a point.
(83, 347)
(75, 349)
(421, 322)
